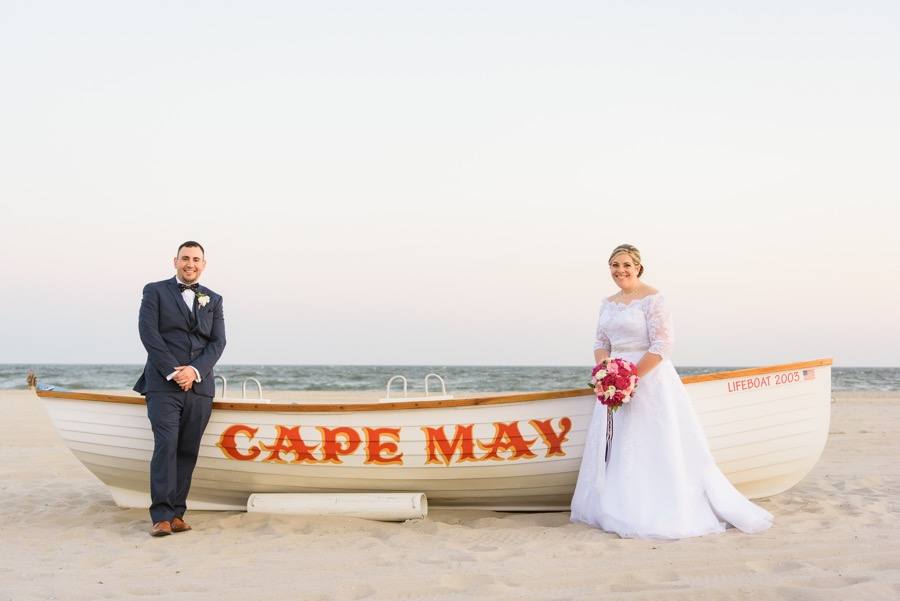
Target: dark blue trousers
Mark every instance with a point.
(178, 420)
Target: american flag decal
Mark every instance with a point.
(809, 374)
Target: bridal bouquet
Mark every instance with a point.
(614, 381)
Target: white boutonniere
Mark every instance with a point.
(202, 299)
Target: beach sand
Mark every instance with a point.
(836, 536)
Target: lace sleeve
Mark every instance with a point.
(601, 340)
(659, 326)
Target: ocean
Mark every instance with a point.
(459, 378)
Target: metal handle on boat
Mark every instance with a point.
(391, 381)
(244, 388)
(224, 385)
(440, 379)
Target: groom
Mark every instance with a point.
(182, 328)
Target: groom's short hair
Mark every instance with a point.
(190, 244)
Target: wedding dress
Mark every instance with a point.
(661, 480)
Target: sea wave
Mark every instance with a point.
(459, 378)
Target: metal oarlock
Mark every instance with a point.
(440, 379)
(388, 389)
(244, 388)
(259, 391)
(428, 396)
(224, 385)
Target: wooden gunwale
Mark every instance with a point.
(501, 399)
(753, 371)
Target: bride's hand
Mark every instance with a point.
(647, 363)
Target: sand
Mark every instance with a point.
(836, 536)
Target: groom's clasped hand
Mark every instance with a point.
(184, 377)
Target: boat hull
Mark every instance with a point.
(503, 453)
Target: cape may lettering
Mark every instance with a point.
(384, 446)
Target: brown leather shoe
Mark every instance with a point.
(179, 525)
(162, 528)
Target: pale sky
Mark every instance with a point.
(442, 182)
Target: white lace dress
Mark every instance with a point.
(661, 480)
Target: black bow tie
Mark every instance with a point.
(183, 287)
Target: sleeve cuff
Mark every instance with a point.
(172, 375)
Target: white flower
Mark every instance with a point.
(202, 300)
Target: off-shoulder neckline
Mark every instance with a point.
(637, 300)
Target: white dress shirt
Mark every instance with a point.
(188, 296)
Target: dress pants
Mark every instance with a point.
(178, 420)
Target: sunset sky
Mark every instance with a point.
(441, 183)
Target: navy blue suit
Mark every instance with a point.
(174, 335)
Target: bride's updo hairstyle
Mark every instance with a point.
(632, 252)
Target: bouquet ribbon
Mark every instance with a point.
(609, 433)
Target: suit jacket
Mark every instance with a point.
(174, 336)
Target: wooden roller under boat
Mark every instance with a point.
(766, 428)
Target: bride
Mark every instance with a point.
(661, 480)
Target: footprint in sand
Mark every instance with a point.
(421, 526)
(832, 581)
(445, 556)
(459, 581)
(354, 591)
(482, 548)
(767, 567)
